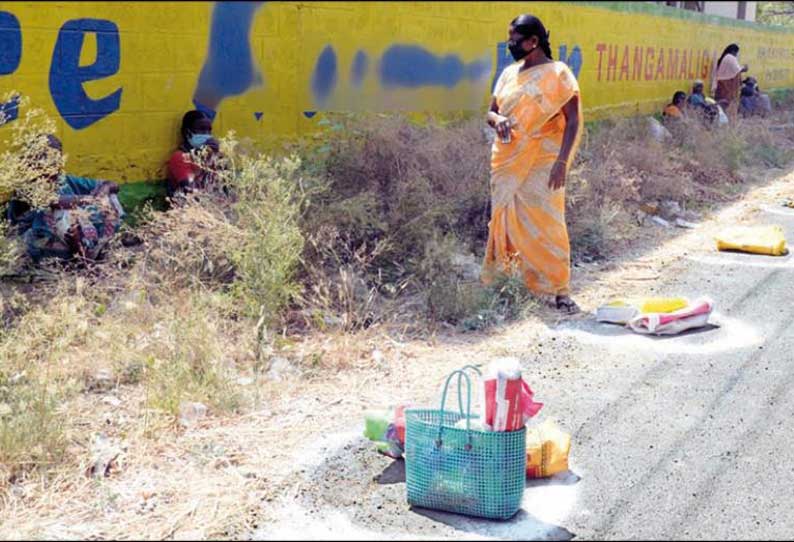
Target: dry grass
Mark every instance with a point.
(375, 228)
(28, 161)
(110, 352)
(161, 344)
(621, 166)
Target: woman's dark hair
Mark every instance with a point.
(731, 49)
(528, 26)
(679, 95)
(188, 119)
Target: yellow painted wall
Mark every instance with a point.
(441, 56)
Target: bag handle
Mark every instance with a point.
(461, 374)
(460, 394)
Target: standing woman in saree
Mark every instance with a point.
(727, 81)
(537, 115)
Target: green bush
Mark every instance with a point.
(242, 234)
(268, 210)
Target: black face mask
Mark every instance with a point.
(517, 51)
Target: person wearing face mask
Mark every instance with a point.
(184, 175)
(727, 80)
(537, 115)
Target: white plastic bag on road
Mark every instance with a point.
(694, 316)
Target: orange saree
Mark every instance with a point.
(527, 224)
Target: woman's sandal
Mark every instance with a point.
(563, 302)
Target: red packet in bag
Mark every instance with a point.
(508, 399)
(530, 407)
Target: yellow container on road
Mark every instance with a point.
(768, 240)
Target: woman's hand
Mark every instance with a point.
(501, 125)
(213, 144)
(70, 202)
(102, 190)
(557, 177)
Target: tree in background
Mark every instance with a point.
(778, 13)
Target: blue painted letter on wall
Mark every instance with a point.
(574, 61)
(324, 76)
(67, 76)
(10, 43)
(229, 68)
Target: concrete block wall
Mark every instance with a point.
(118, 76)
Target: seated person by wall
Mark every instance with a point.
(80, 222)
(675, 110)
(697, 100)
(184, 174)
(752, 101)
(698, 104)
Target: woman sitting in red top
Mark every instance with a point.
(185, 176)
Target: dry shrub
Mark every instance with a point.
(175, 315)
(603, 184)
(406, 180)
(31, 429)
(27, 161)
(768, 148)
(454, 294)
(34, 379)
(10, 249)
(341, 288)
(389, 186)
(621, 165)
(242, 233)
(188, 363)
(26, 164)
(189, 245)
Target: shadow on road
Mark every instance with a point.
(393, 474)
(616, 330)
(566, 478)
(522, 526)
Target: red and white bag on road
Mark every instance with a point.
(508, 399)
(694, 316)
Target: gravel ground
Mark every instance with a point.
(688, 437)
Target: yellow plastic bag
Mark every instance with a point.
(547, 450)
(753, 239)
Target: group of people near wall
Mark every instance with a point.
(85, 213)
(535, 110)
(732, 95)
(536, 113)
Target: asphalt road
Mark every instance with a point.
(689, 437)
(697, 444)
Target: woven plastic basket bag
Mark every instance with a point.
(465, 471)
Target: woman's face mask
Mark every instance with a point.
(517, 50)
(197, 140)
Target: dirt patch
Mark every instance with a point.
(358, 494)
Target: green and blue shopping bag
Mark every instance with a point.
(465, 471)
